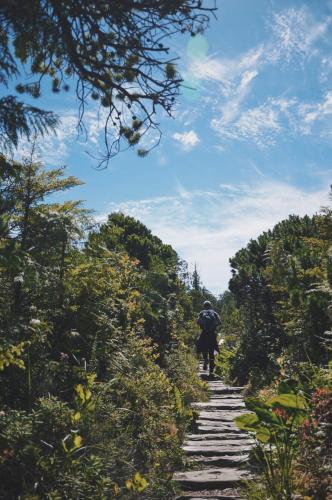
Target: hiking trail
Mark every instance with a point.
(217, 451)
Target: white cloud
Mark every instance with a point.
(310, 113)
(229, 81)
(232, 106)
(295, 33)
(264, 124)
(259, 125)
(55, 148)
(209, 227)
(233, 77)
(187, 140)
(225, 71)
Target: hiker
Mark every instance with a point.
(207, 343)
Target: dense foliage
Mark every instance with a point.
(96, 375)
(281, 290)
(97, 371)
(277, 339)
(116, 53)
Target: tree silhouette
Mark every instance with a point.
(113, 52)
(196, 281)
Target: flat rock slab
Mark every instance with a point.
(220, 416)
(225, 494)
(226, 401)
(223, 389)
(196, 449)
(211, 478)
(223, 461)
(209, 497)
(204, 498)
(219, 404)
(219, 442)
(219, 383)
(218, 429)
(227, 425)
(228, 395)
(217, 435)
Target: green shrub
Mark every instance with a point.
(275, 426)
(181, 367)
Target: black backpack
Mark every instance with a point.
(208, 321)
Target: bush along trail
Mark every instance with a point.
(97, 370)
(277, 341)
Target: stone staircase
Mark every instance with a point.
(218, 451)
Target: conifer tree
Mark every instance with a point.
(196, 281)
(115, 53)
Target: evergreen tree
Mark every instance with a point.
(196, 281)
(278, 286)
(164, 293)
(199, 294)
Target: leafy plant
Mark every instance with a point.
(314, 457)
(223, 362)
(11, 355)
(274, 424)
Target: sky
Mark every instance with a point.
(249, 144)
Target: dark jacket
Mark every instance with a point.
(208, 338)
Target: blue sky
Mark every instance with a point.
(249, 144)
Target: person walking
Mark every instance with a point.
(207, 343)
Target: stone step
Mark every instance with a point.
(211, 478)
(226, 422)
(220, 416)
(214, 497)
(216, 435)
(211, 426)
(222, 460)
(226, 494)
(219, 442)
(197, 448)
(219, 383)
(226, 400)
(218, 404)
(223, 389)
(229, 395)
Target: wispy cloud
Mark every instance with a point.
(208, 227)
(233, 77)
(230, 84)
(259, 125)
(57, 146)
(187, 140)
(311, 113)
(227, 72)
(295, 33)
(53, 147)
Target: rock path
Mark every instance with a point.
(218, 451)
